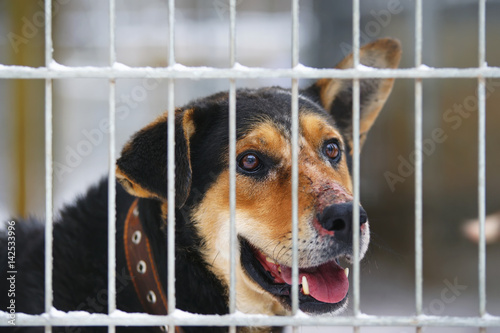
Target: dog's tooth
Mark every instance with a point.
(305, 285)
(279, 269)
(270, 260)
(346, 272)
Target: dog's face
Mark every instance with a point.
(263, 183)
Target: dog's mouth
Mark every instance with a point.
(323, 288)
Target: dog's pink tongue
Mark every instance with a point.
(327, 283)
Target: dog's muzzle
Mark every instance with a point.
(323, 281)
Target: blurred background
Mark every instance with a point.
(450, 39)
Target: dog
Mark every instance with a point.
(263, 210)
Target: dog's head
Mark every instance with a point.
(263, 183)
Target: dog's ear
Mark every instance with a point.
(142, 166)
(335, 95)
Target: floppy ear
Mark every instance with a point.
(335, 95)
(142, 166)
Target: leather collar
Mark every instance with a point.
(142, 267)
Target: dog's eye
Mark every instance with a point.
(249, 162)
(332, 151)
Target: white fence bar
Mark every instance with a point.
(295, 160)
(295, 33)
(52, 71)
(48, 167)
(295, 198)
(186, 319)
(418, 163)
(111, 171)
(356, 164)
(482, 160)
(111, 205)
(232, 33)
(171, 298)
(418, 198)
(48, 33)
(482, 34)
(482, 195)
(232, 198)
(56, 71)
(355, 33)
(418, 33)
(232, 163)
(171, 33)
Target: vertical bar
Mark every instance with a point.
(355, 31)
(232, 32)
(356, 161)
(171, 197)
(418, 33)
(232, 163)
(356, 200)
(171, 32)
(48, 165)
(295, 163)
(112, 31)
(295, 33)
(48, 33)
(418, 197)
(48, 199)
(418, 165)
(482, 162)
(482, 33)
(295, 197)
(111, 173)
(232, 197)
(482, 197)
(171, 168)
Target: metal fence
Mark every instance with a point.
(53, 71)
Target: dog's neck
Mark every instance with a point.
(208, 297)
(192, 295)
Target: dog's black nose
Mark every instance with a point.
(338, 218)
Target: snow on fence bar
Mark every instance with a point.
(114, 71)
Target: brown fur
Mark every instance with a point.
(266, 223)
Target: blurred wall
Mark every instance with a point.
(21, 111)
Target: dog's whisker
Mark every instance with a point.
(215, 258)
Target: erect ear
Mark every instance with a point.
(142, 166)
(335, 95)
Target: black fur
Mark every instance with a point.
(145, 161)
(80, 263)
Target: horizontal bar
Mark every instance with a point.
(239, 72)
(182, 318)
